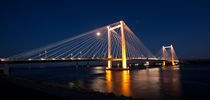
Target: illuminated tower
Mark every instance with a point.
(164, 54)
(124, 61)
(109, 48)
(164, 62)
(172, 55)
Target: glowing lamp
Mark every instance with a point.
(98, 33)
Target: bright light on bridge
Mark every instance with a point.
(4, 59)
(63, 58)
(53, 58)
(98, 33)
(43, 59)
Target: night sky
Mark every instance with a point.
(29, 24)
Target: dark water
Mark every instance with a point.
(163, 83)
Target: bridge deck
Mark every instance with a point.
(45, 60)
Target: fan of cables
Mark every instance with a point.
(92, 44)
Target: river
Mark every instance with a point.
(157, 83)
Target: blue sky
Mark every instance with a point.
(29, 24)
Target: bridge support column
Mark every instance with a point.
(172, 55)
(109, 48)
(124, 61)
(164, 63)
(163, 50)
(6, 69)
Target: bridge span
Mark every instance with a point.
(113, 42)
(47, 60)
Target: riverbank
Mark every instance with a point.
(24, 89)
(196, 61)
(11, 91)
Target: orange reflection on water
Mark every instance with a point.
(126, 83)
(120, 88)
(109, 80)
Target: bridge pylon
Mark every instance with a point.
(124, 60)
(109, 48)
(164, 54)
(164, 58)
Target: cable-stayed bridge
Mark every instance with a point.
(114, 42)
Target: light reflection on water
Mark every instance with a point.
(158, 82)
(170, 82)
(118, 82)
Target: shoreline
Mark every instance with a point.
(22, 88)
(198, 61)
